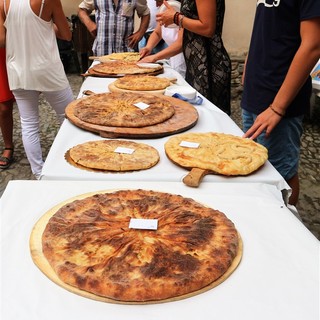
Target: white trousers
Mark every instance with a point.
(28, 105)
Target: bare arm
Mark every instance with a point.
(53, 10)
(137, 36)
(84, 16)
(304, 60)
(62, 28)
(204, 26)
(168, 52)
(153, 40)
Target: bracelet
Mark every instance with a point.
(176, 18)
(180, 21)
(275, 111)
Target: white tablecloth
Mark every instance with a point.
(210, 119)
(278, 277)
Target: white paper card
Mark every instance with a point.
(124, 150)
(188, 144)
(148, 224)
(142, 105)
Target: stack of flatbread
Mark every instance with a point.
(132, 114)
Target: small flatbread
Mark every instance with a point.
(125, 56)
(124, 67)
(103, 155)
(142, 83)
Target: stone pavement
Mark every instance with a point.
(309, 202)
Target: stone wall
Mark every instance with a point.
(236, 75)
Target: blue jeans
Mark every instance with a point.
(283, 143)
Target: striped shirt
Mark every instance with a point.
(115, 23)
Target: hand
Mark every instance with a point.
(149, 59)
(265, 121)
(133, 40)
(144, 52)
(166, 18)
(93, 33)
(92, 28)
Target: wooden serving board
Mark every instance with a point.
(195, 176)
(94, 73)
(185, 117)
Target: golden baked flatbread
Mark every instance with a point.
(121, 67)
(119, 109)
(114, 155)
(126, 56)
(88, 246)
(142, 83)
(218, 152)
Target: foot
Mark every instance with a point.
(7, 158)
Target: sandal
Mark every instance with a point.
(7, 160)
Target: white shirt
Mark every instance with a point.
(177, 62)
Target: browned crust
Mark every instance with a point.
(119, 109)
(177, 260)
(123, 67)
(219, 153)
(101, 155)
(184, 118)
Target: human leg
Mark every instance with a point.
(6, 117)
(59, 100)
(6, 125)
(27, 102)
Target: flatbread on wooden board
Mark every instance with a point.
(120, 67)
(122, 109)
(218, 153)
(184, 118)
(86, 246)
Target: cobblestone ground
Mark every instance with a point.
(309, 202)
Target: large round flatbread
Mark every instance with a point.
(142, 83)
(87, 246)
(126, 56)
(114, 155)
(119, 109)
(124, 67)
(218, 152)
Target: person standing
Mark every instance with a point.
(113, 28)
(153, 6)
(173, 50)
(207, 61)
(6, 116)
(29, 31)
(284, 48)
